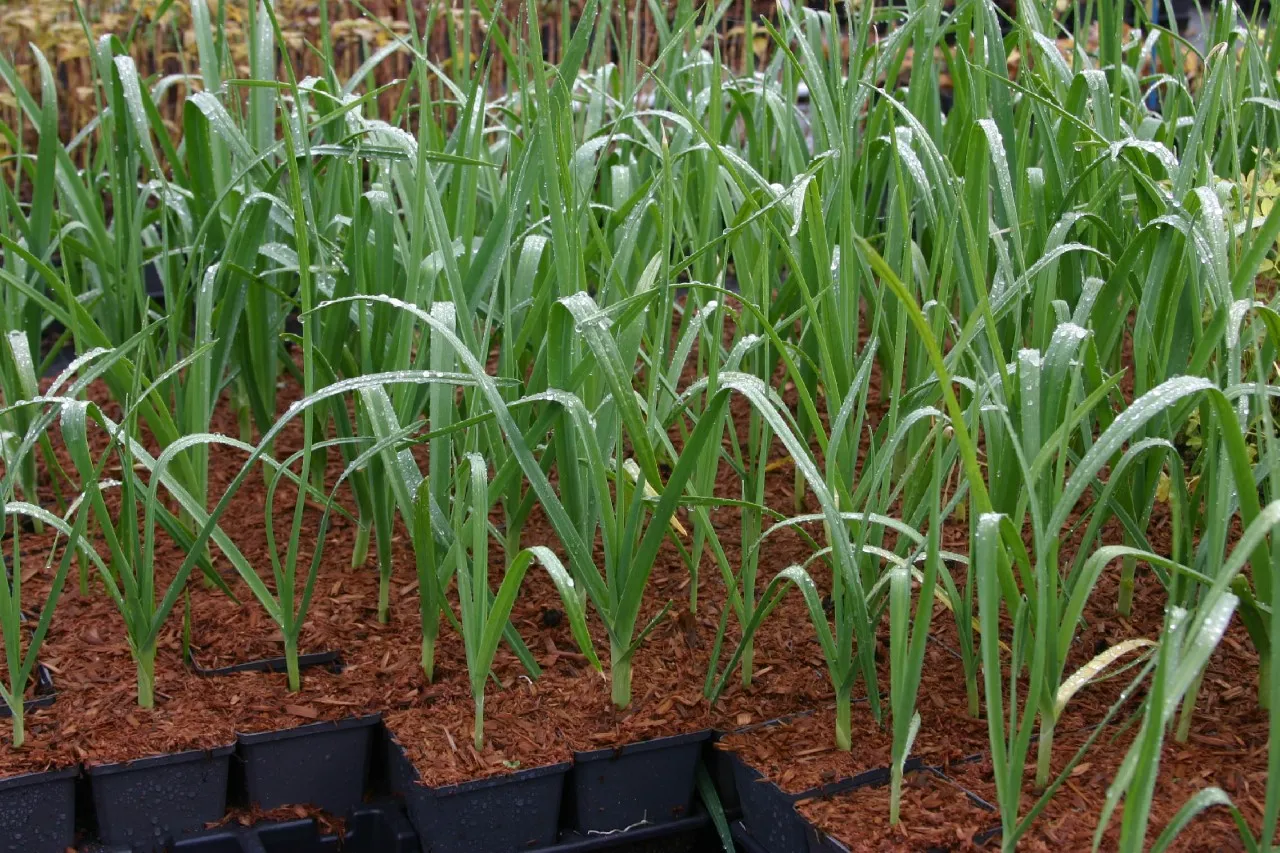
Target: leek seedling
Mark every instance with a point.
(1187, 641)
(485, 614)
(130, 579)
(907, 638)
(62, 392)
(421, 501)
(20, 664)
(286, 607)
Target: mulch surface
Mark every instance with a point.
(531, 723)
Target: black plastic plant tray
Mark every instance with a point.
(38, 811)
(323, 764)
(695, 834)
(501, 814)
(45, 696)
(651, 782)
(746, 842)
(769, 814)
(331, 661)
(384, 828)
(719, 766)
(143, 805)
(815, 841)
(819, 842)
(373, 828)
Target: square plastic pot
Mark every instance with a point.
(38, 811)
(650, 782)
(321, 764)
(768, 814)
(145, 804)
(502, 814)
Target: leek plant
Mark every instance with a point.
(907, 637)
(20, 665)
(40, 412)
(129, 573)
(485, 614)
(22, 642)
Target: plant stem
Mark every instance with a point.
(244, 417)
(844, 725)
(479, 739)
(971, 687)
(1124, 602)
(1044, 751)
(146, 659)
(19, 723)
(621, 679)
(895, 792)
(383, 545)
(750, 533)
(384, 595)
(1189, 708)
(291, 664)
(428, 657)
(360, 551)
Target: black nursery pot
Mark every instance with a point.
(649, 782)
(768, 813)
(719, 764)
(503, 814)
(145, 804)
(38, 811)
(322, 764)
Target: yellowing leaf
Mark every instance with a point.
(1091, 670)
